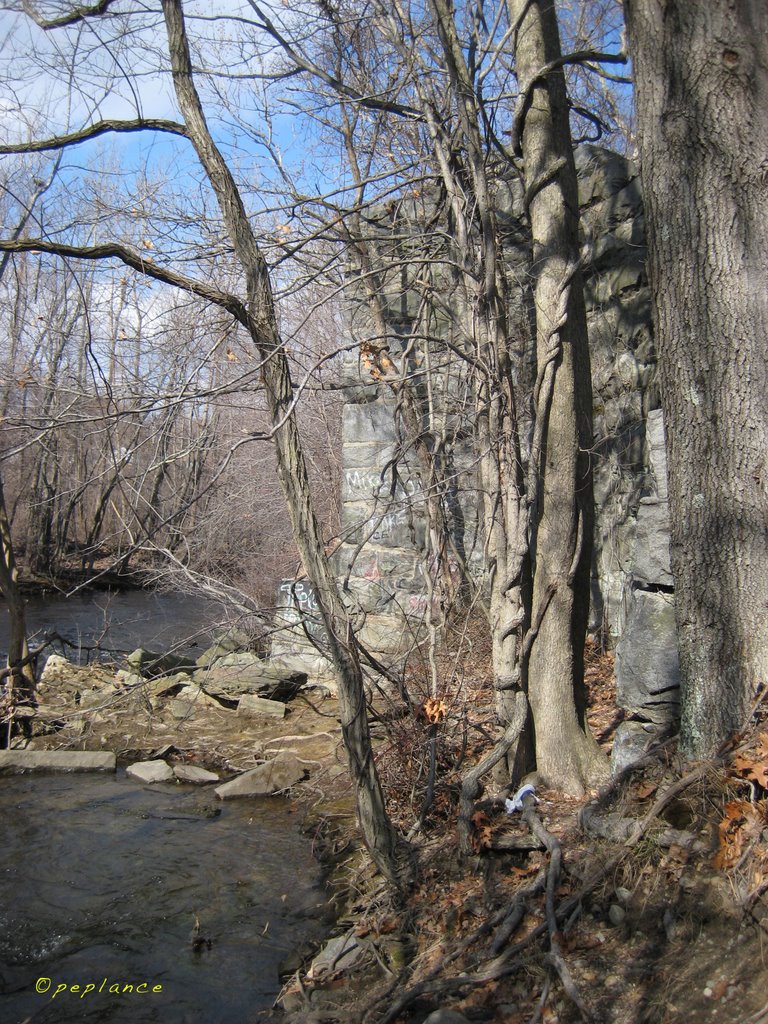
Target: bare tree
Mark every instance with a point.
(257, 316)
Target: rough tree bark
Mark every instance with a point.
(377, 830)
(701, 74)
(560, 472)
(21, 685)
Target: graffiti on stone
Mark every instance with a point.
(361, 484)
(298, 604)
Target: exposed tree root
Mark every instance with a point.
(470, 787)
(558, 918)
(555, 956)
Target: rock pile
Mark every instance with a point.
(229, 709)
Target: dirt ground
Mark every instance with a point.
(664, 923)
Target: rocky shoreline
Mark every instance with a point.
(241, 725)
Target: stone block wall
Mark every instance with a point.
(382, 500)
(381, 559)
(647, 663)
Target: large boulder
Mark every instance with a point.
(231, 679)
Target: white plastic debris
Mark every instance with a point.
(516, 803)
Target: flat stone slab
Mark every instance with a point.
(18, 761)
(260, 707)
(191, 773)
(150, 772)
(266, 780)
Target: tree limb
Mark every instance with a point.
(136, 261)
(340, 87)
(78, 14)
(92, 132)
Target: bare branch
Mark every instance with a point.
(78, 14)
(135, 261)
(340, 87)
(92, 132)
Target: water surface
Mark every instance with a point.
(119, 621)
(100, 879)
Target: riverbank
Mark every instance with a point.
(656, 910)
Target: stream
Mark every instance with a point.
(100, 882)
(101, 877)
(119, 621)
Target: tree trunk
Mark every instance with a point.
(22, 677)
(701, 73)
(376, 828)
(560, 473)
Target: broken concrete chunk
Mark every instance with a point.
(266, 780)
(150, 772)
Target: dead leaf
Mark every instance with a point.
(646, 789)
(753, 767)
(741, 822)
(720, 989)
(434, 710)
(481, 831)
